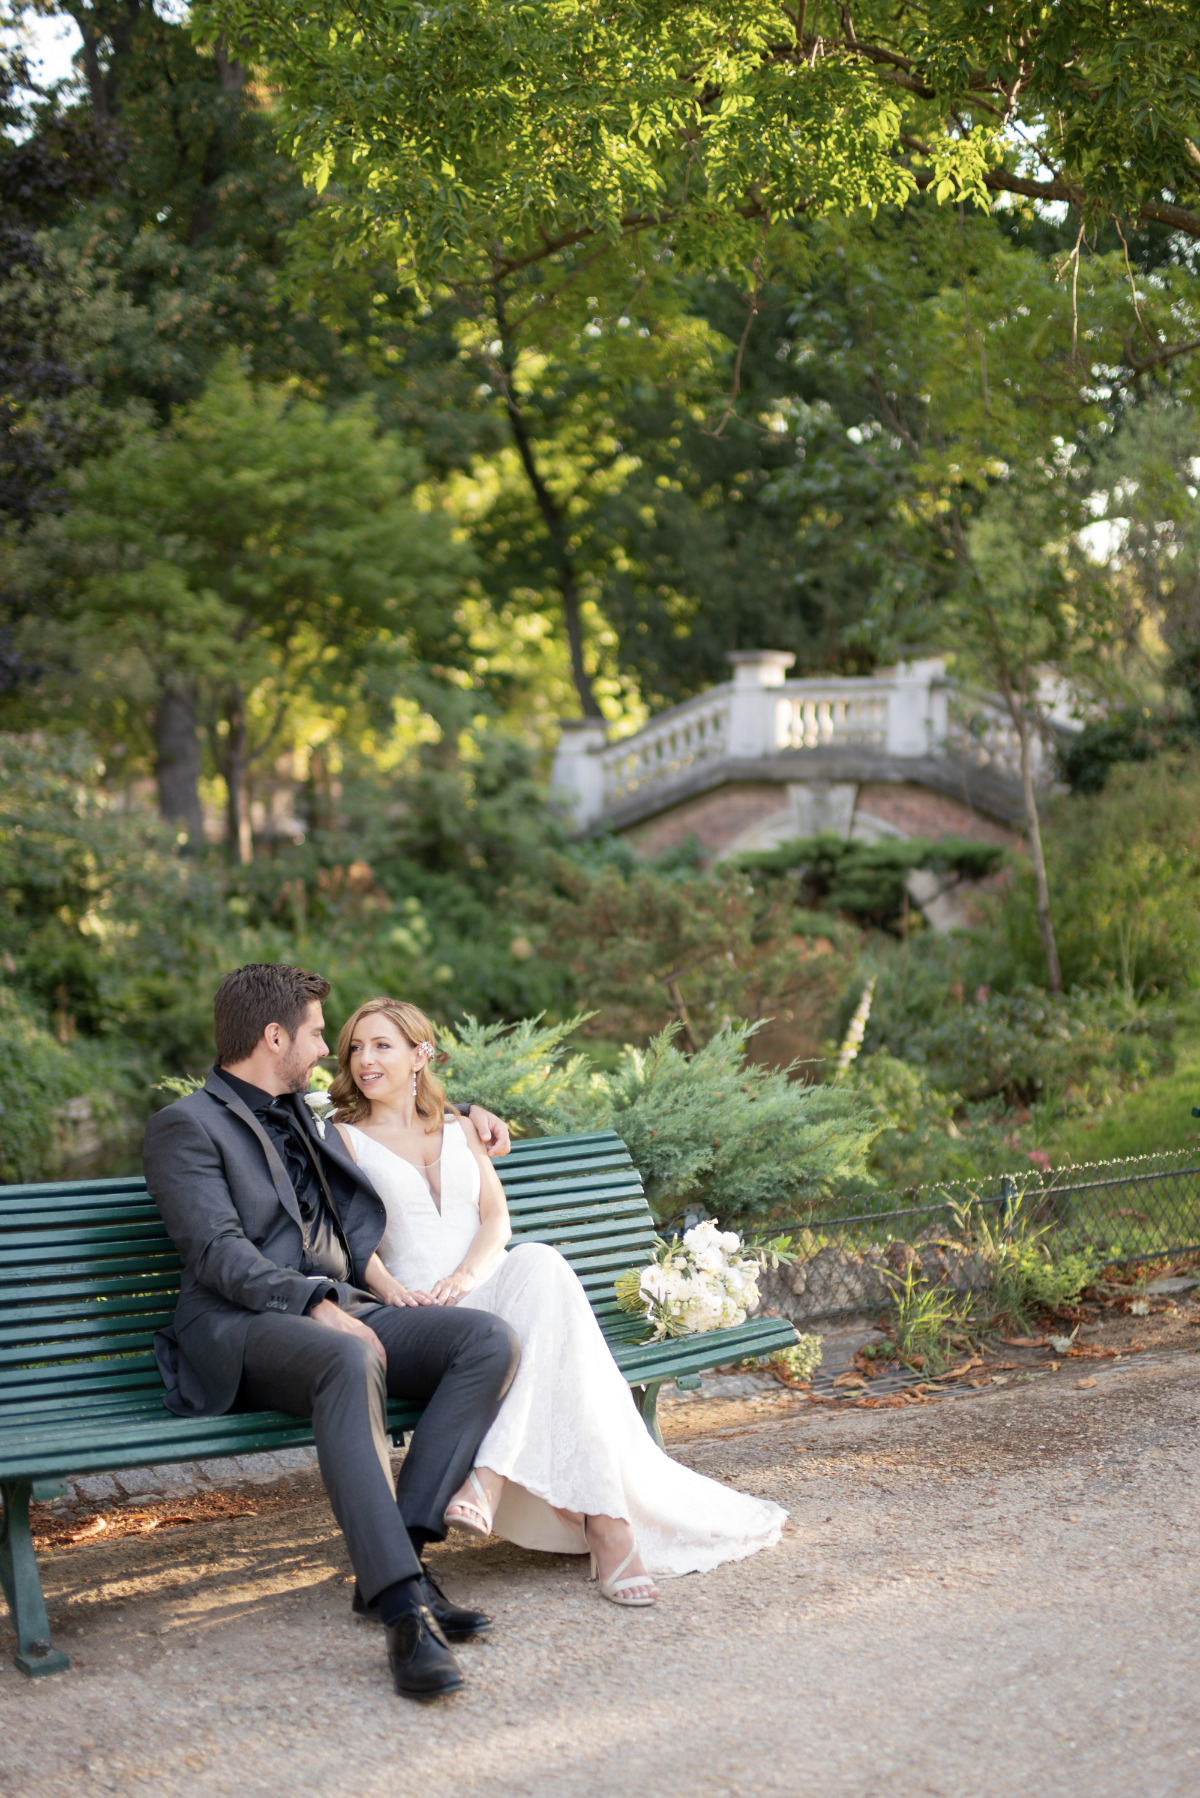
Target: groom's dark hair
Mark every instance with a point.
(264, 992)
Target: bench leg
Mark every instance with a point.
(23, 1585)
(646, 1398)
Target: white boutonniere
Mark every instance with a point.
(320, 1104)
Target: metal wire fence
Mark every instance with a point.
(1117, 1212)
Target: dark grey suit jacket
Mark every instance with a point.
(230, 1210)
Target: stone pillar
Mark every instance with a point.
(911, 724)
(578, 775)
(751, 704)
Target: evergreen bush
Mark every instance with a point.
(714, 1131)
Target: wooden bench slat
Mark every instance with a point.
(97, 1277)
(22, 1392)
(87, 1288)
(77, 1348)
(558, 1145)
(684, 1354)
(18, 1399)
(92, 1317)
(56, 1459)
(591, 1239)
(593, 1205)
(526, 1174)
(65, 1189)
(120, 1237)
(90, 1408)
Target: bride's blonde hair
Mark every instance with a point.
(352, 1103)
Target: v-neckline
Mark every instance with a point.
(418, 1169)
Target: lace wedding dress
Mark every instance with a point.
(568, 1434)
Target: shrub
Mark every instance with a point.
(646, 946)
(868, 881)
(1023, 1275)
(740, 1141)
(1020, 1046)
(517, 1070)
(921, 1137)
(1086, 758)
(106, 927)
(39, 1079)
(1124, 872)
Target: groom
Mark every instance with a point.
(275, 1226)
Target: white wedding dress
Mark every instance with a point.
(568, 1434)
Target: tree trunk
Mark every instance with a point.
(230, 72)
(106, 47)
(1045, 921)
(177, 760)
(554, 519)
(235, 766)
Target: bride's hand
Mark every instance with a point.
(454, 1287)
(390, 1292)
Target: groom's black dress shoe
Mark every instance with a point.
(452, 1619)
(420, 1658)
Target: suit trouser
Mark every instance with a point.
(461, 1363)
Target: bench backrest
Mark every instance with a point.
(88, 1273)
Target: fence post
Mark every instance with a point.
(1008, 1195)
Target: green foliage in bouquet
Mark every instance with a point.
(801, 1360)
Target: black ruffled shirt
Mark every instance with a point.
(325, 1250)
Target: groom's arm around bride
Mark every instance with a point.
(276, 1230)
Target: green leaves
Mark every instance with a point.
(264, 549)
(474, 134)
(747, 1142)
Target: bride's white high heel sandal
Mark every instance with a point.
(618, 1590)
(475, 1519)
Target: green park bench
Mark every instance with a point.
(88, 1273)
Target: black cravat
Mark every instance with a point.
(325, 1248)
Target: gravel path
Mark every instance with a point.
(990, 1595)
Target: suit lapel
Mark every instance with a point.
(283, 1186)
(332, 1146)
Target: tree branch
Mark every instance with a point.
(1159, 212)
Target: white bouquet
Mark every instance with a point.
(706, 1281)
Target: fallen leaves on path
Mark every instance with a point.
(965, 1367)
(66, 1529)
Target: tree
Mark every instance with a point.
(564, 127)
(527, 162)
(258, 549)
(994, 387)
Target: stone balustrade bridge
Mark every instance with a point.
(904, 752)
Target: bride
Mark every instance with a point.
(568, 1466)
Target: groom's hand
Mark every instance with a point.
(332, 1317)
(492, 1131)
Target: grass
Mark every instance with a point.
(1156, 1118)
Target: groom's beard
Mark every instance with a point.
(297, 1072)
